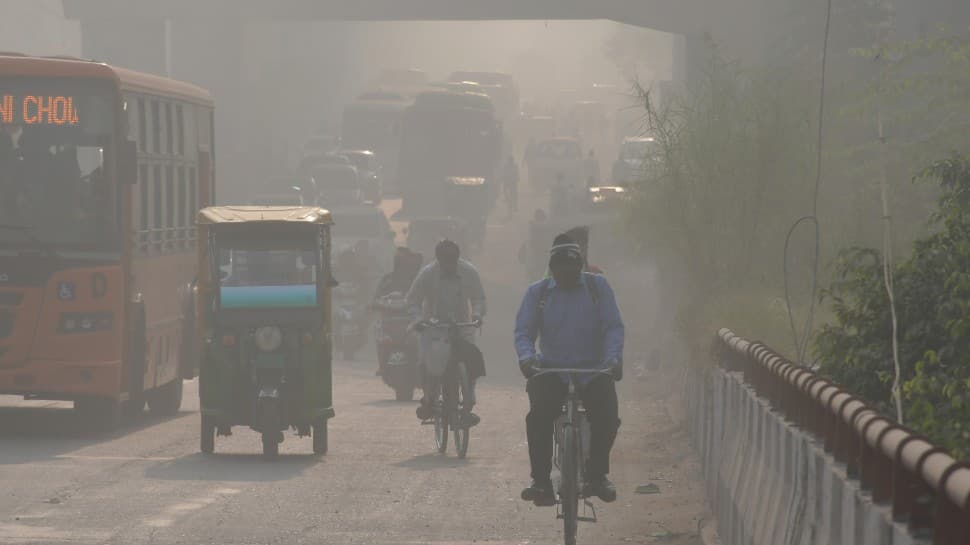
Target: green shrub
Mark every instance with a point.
(932, 292)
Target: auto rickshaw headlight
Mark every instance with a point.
(268, 338)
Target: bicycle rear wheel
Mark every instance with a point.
(462, 433)
(569, 484)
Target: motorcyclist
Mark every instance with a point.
(399, 280)
(449, 289)
(576, 320)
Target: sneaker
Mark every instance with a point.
(539, 493)
(424, 412)
(601, 488)
(470, 420)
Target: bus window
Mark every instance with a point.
(179, 130)
(156, 128)
(142, 126)
(169, 133)
(169, 205)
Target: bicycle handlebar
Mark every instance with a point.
(435, 324)
(570, 371)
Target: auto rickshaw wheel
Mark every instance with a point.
(271, 445)
(207, 436)
(166, 400)
(320, 438)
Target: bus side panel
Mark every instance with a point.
(162, 282)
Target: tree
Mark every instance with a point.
(933, 301)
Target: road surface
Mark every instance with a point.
(380, 484)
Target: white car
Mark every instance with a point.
(292, 198)
(352, 224)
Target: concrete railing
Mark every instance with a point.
(790, 458)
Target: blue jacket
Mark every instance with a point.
(576, 331)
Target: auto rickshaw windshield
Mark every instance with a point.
(260, 275)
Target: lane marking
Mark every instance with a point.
(168, 515)
(116, 458)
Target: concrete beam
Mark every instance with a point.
(677, 16)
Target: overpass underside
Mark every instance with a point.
(674, 16)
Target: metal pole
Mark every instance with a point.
(168, 48)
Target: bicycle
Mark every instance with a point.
(570, 452)
(452, 397)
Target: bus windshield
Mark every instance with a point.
(54, 137)
(449, 143)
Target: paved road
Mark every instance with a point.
(380, 484)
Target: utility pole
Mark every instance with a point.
(888, 262)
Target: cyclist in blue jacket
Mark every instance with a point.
(575, 318)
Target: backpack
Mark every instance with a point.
(591, 287)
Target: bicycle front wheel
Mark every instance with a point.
(462, 433)
(440, 424)
(569, 484)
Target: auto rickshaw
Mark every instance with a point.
(263, 307)
(467, 197)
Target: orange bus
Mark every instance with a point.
(102, 171)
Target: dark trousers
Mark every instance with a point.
(546, 396)
(449, 391)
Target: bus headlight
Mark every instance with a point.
(268, 338)
(85, 322)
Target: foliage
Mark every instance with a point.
(932, 290)
(734, 169)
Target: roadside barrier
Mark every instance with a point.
(790, 458)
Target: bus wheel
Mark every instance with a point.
(320, 437)
(207, 436)
(99, 413)
(166, 400)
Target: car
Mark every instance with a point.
(287, 183)
(636, 159)
(338, 184)
(368, 171)
(320, 143)
(364, 222)
(291, 198)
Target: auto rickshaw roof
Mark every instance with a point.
(229, 215)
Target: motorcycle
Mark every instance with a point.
(349, 332)
(397, 350)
